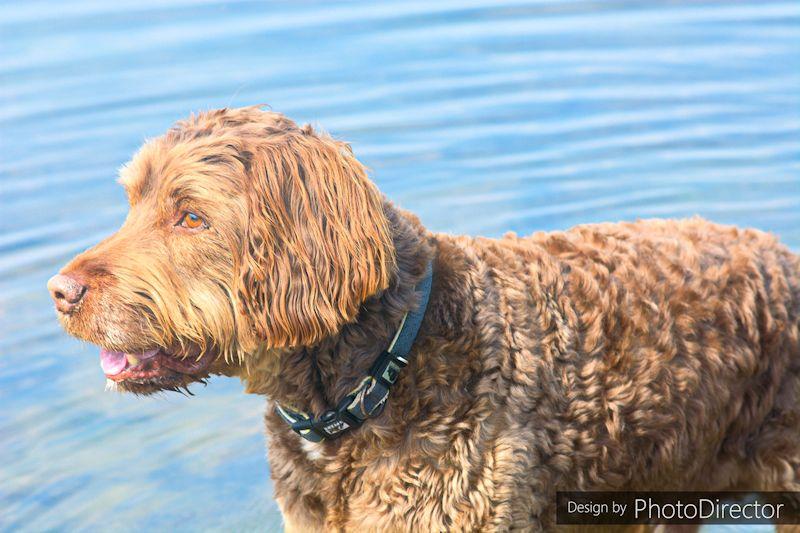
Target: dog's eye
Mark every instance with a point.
(191, 221)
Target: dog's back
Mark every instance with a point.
(650, 355)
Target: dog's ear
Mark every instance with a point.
(317, 242)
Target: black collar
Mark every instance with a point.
(368, 399)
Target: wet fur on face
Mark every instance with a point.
(660, 355)
(292, 242)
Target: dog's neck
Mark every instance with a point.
(314, 379)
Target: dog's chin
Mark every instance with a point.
(157, 369)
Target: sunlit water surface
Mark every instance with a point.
(481, 116)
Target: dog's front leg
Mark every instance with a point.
(295, 524)
(297, 520)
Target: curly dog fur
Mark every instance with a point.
(649, 355)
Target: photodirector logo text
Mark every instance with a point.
(596, 508)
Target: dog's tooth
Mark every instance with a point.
(149, 353)
(132, 359)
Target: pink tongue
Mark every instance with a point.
(112, 362)
(115, 362)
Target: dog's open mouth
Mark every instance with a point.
(154, 363)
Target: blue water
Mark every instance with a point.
(480, 116)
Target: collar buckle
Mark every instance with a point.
(387, 367)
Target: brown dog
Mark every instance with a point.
(657, 354)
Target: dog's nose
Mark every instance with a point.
(66, 292)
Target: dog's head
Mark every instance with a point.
(245, 233)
